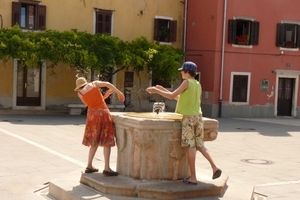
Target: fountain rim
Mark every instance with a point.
(153, 116)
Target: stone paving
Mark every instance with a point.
(36, 149)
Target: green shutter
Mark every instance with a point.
(298, 36)
(280, 35)
(254, 36)
(232, 31)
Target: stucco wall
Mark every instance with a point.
(204, 46)
(131, 19)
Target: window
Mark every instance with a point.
(29, 15)
(288, 35)
(103, 21)
(243, 32)
(129, 79)
(240, 87)
(165, 30)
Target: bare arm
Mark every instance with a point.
(110, 86)
(168, 94)
(164, 89)
(107, 94)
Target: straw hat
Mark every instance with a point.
(80, 82)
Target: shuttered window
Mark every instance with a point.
(165, 30)
(103, 21)
(288, 35)
(243, 32)
(29, 15)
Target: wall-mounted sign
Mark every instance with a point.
(264, 85)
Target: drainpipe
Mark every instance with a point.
(222, 59)
(185, 20)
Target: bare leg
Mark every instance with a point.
(106, 153)
(208, 157)
(192, 161)
(92, 153)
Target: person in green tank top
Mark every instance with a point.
(188, 96)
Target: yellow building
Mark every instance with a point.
(39, 88)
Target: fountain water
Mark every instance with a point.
(158, 107)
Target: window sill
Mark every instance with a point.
(242, 46)
(167, 43)
(288, 49)
(31, 30)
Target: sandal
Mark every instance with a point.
(186, 180)
(110, 173)
(217, 174)
(91, 170)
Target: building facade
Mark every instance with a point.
(40, 88)
(248, 56)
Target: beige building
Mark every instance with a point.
(40, 89)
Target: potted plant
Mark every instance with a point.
(163, 34)
(242, 39)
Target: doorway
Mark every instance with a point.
(29, 87)
(285, 96)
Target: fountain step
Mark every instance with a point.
(99, 187)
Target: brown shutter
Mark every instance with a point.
(98, 21)
(107, 28)
(254, 35)
(298, 36)
(280, 35)
(16, 15)
(173, 31)
(156, 29)
(41, 17)
(232, 31)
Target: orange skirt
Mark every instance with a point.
(99, 128)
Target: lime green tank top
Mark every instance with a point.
(189, 101)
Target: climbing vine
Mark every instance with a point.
(90, 52)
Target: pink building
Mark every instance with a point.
(247, 52)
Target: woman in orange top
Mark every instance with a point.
(99, 129)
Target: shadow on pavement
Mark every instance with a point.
(269, 127)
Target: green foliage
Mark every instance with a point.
(90, 52)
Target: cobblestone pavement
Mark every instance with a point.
(36, 149)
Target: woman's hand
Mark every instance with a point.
(120, 96)
(107, 94)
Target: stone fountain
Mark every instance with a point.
(150, 160)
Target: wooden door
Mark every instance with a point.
(29, 87)
(285, 96)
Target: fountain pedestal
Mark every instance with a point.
(151, 161)
(149, 145)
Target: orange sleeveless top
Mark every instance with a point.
(94, 99)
